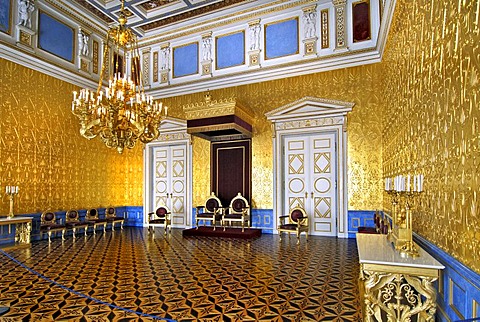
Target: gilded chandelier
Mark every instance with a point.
(122, 113)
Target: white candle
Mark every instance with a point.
(408, 183)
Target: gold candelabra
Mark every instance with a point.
(402, 231)
(11, 192)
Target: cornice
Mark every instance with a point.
(292, 69)
(26, 59)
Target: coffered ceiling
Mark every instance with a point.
(147, 15)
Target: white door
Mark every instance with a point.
(310, 179)
(170, 181)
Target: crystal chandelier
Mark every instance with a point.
(122, 113)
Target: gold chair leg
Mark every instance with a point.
(63, 234)
(73, 229)
(49, 235)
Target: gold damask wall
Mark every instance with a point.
(359, 85)
(431, 119)
(43, 153)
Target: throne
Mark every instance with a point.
(297, 223)
(49, 225)
(212, 211)
(160, 218)
(238, 211)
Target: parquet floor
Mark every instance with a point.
(130, 276)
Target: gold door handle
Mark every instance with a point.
(312, 194)
(306, 195)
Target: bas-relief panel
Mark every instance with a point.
(432, 68)
(42, 152)
(357, 85)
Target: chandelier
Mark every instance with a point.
(122, 113)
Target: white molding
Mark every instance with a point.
(304, 116)
(173, 131)
(265, 74)
(40, 65)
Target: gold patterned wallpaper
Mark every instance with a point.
(431, 118)
(43, 153)
(359, 85)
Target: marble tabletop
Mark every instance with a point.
(14, 220)
(377, 249)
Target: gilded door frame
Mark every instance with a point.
(173, 131)
(308, 115)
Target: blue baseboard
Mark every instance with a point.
(359, 218)
(133, 217)
(458, 286)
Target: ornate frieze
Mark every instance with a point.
(146, 66)
(155, 66)
(340, 19)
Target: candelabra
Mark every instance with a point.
(408, 247)
(402, 232)
(11, 192)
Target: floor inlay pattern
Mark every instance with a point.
(130, 276)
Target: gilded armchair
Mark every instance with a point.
(212, 211)
(160, 218)
(297, 223)
(73, 222)
(238, 211)
(49, 225)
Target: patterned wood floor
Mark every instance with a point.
(130, 276)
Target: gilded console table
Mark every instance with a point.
(23, 227)
(396, 288)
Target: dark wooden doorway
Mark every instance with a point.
(231, 169)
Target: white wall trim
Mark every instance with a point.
(311, 114)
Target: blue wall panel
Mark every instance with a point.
(281, 39)
(359, 218)
(55, 37)
(5, 11)
(185, 60)
(230, 50)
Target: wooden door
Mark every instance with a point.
(231, 169)
(311, 179)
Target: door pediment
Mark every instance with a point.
(309, 108)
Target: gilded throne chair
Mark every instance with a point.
(212, 211)
(73, 222)
(49, 225)
(112, 218)
(238, 211)
(297, 223)
(93, 220)
(160, 218)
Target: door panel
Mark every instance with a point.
(170, 181)
(310, 179)
(231, 169)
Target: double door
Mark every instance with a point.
(310, 173)
(170, 181)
